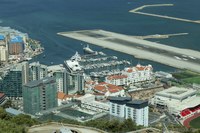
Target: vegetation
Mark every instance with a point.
(15, 124)
(195, 123)
(114, 125)
(192, 80)
(185, 74)
(188, 77)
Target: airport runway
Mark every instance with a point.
(168, 55)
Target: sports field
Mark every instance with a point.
(195, 123)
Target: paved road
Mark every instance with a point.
(53, 127)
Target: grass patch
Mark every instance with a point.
(185, 74)
(192, 80)
(195, 123)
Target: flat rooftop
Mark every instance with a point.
(176, 93)
(168, 55)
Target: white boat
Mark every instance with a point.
(88, 50)
(101, 53)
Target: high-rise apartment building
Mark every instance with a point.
(59, 73)
(39, 95)
(37, 71)
(11, 83)
(125, 107)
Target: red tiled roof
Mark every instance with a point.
(104, 87)
(61, 95)
(117, 77)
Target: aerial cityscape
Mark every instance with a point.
(98, 66)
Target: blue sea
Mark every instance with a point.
(42, 19)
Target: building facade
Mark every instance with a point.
(39, 95)
(37, 71)
(75, 82)
(3, 54)
(11, 83)
(125, 107)
(132, 75)
(15, 45)
(60, 75)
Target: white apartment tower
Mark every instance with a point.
(59, 73)
(125, 107)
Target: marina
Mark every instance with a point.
(140, 48)
(96, 65)
(137, 11)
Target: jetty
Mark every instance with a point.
(138, 11)
(168, 55)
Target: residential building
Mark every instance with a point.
(2, 40)
(138, 73)
(25, 72)
(39, 95)
(37, 71)
(75, 78)
(11, 83)
(3, 54)
(88, 102)
(117, 79)
(125, 107)
(15, 45)
(138, 111)
(109, 89)
(60, 75)
(75, 82)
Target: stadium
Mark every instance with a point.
(183, 103)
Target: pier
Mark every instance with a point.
(168, 55)
(159, 36)
(137, 11)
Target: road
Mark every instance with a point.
(53, 127)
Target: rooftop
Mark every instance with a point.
(56, 68)
(2, 37)
(119, 98)
(176, 93)
(111, 77)
(137, 102)
(37, 64)
(138, 67)
(13, 111)
(35, 83)
(16, 39)
(105, 87)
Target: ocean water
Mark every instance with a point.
(42, 19)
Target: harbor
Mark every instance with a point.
(168, 55)
(137, 11)
(96, 64)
